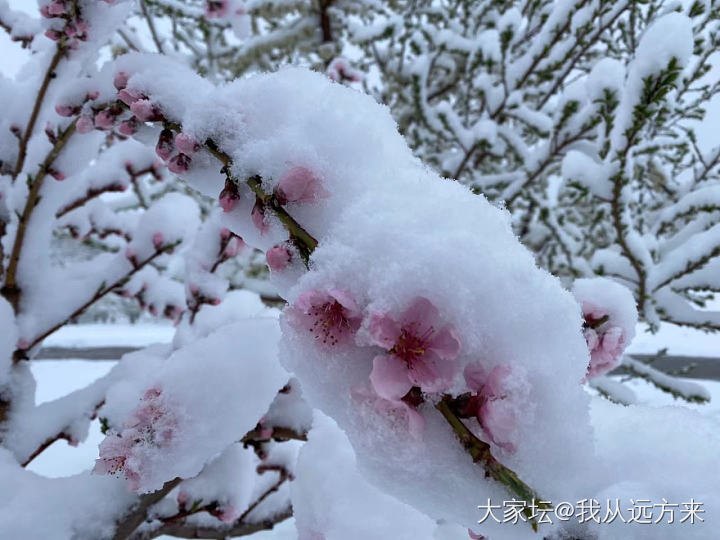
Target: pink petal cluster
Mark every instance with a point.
(186, 143)
(299, 185)
(258, 217)
(331, 315)
(494, 403)
(165, 145)
(179, 164)
(84, 124)
(340, 70)
(157, 240)
(152, 425)
(278, 258)
(421, 351)
(605, 341)
(229, 196)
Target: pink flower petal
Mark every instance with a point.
(389, 377)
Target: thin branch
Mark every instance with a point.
(480, 453)
(49, 75)
(139, 512)
(10, 290)
(151, 26)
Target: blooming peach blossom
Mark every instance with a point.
(186, 143)
(421, 351)
(331, 315)
(84, 124)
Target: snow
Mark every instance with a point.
(110, 335)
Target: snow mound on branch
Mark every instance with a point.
(323, 502)
(60, 501)
(197, 424)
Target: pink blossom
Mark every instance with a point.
(84, 124)
(278, 258)
(157, 240)
(331, 315)
(186, 143)
(233, 247)
(497, 412)
(340, 70)
(128, 97)
(216, 8)
(421, 351)
(180, 164)
(258, 217)
(128, 127)
(226, 513)
(57, 7)
(57, 175)
(152, 425)
(120, 80)
(104, 119)
(229, 196)
(53, 34)
(66, 110)
(194, 289)
(399, 411)
(23, 344)
(225, 233)
(493, 402)
(92, 95)
(165, 146)
(183, 498)
(605, 341)
(299, 185)
(145, 110)
(44, 11)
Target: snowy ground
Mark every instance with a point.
(58, 377)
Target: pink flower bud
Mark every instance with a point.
(278, 258)
(157, 240)
(146, 110)
(128, 97)
(23, 344)
(186, 144)
(53, 34)
(234, 247)
(131, 256)
(57, 175)
(66, 110)
(165, 146)
(215, 9)
(229, 196)
(224, 233)
(179, 164)
(57, 7)
(44, 11)
(92, 95)
(299, 185)
(104, 119)
(128, 127)
(215, 301)
(84, 124)
(183, 498)
(258, 217)
(194, 289)
(120, 80)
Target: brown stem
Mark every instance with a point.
(49, 75)
(151, 26)
(480, 453)
(127, 525)
(97, 296)
(61, 435)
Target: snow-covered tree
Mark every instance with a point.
(446, 385)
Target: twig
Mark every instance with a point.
(49, 75)
(480, 452)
